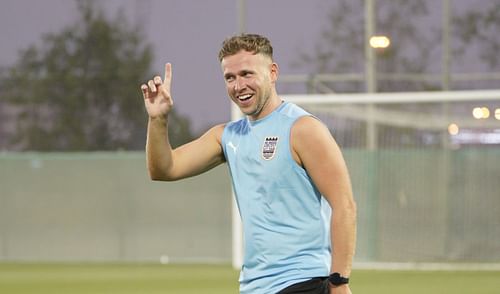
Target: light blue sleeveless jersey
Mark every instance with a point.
(285, 218)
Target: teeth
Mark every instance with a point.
(244, 97)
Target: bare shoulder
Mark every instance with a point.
(309, 127)
(309, 136)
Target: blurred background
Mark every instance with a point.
(73, 180)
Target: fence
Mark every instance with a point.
(103, 207)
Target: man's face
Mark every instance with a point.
(250, 79)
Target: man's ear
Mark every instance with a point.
(274, 72)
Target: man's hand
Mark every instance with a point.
(156, 93)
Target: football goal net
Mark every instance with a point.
(425, 170)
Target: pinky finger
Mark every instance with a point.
(144, 89)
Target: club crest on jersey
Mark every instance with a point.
(269, 148)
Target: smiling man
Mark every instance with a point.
(287, 171)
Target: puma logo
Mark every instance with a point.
(230, 144)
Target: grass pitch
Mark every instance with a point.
(121, 278)
(217, 279)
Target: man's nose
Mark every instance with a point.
(239, 84)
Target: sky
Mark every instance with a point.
(187, 33)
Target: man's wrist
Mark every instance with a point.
(336, 279)
(160, 118)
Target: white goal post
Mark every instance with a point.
(424, 167)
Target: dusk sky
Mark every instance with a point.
(187, 33)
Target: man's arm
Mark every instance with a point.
(315, 149)
(191, 159)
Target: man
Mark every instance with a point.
(286, 169)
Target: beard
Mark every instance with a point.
(260, 103)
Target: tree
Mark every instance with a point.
(340, 49)
(416, 36)
(481, 25)
(79, 89)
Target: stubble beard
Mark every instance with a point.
(261, 104)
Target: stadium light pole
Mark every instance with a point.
(242, 16)
(370, 71)
(445, 63)
(445, 157)
(446, 59)
(237, 227)
(371, 129)
(370, 57)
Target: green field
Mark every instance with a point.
(218, 279)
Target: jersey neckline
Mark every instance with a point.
(260, 120)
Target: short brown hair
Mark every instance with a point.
(249, 42)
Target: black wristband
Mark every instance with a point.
(336, 279)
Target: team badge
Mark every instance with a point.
(269, 147)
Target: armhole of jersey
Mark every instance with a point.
(290, 147)
(222, 141)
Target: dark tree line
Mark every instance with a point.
(79, 89)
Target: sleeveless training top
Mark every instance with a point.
(285, 218)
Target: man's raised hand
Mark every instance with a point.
(157, 96)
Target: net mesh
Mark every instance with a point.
(425, 174)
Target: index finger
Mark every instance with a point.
(168, 74)
(168, 77)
